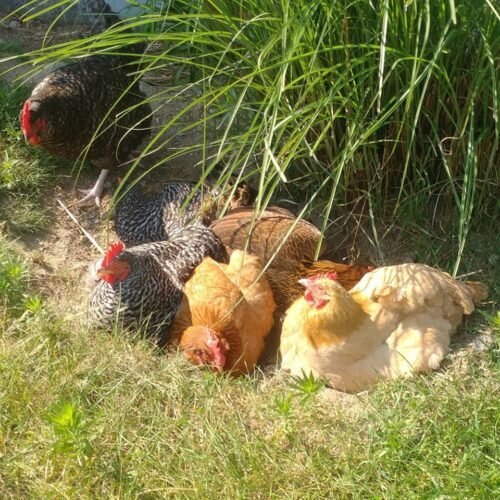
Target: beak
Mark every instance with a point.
(304, 282)
(106, 271)
(34, 140)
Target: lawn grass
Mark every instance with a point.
(90, 414)
(23, 173)
(87, 414)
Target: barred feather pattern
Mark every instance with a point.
(75, 100)
(150, 295)
(142, 218)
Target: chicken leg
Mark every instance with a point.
(96, 191)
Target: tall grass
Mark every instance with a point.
(393, 105)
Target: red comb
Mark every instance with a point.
(113, 250)
(25, 117)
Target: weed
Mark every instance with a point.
(307, 385)
(10, 47)
(283, 404)
(13, 279)
(69, 428)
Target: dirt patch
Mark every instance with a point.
(61, 254)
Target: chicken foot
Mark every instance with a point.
(96, 191)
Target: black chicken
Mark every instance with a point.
(142, 286)
(90, 108)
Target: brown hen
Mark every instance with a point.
(287, 246)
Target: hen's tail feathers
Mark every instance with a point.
(478, 290)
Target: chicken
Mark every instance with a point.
(225, 315)
(396, 321)
(262, 236)
(141, 218)
(142, 286)
(91, 108)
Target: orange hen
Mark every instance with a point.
(226, 313)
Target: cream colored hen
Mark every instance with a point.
(226, 313)
(396, 321)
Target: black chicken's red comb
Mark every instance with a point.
(113, 250)
(25, 117)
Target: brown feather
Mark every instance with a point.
(294, 260)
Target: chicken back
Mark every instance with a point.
(86, 104)
(142, 218)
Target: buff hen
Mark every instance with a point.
(225, 315)
(396, 321)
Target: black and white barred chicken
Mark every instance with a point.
(92, 108)
(142, 286)
(141, 218)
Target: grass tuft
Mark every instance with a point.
(23, 173)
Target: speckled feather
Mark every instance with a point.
(142, 218)
(75, 99)
(151, 293)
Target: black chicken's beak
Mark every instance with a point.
(106, 271)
